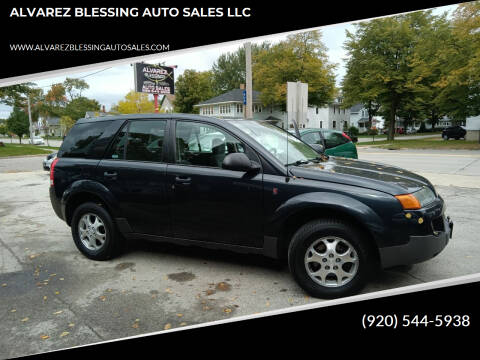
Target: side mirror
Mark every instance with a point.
(239, 162)
(318, 148)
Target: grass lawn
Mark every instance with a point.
(21, 149)
(433, 143)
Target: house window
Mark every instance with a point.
(317, 110)
(334, 112)
(321, 124)
(239, 108)
(334, 124)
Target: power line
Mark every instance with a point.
(81, 77)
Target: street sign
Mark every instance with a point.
(154, 79)
(244, 97)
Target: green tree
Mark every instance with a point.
(66, 122)
(380, 55)
(427, 66)
(77, 108)
(3, 129)
(302, 57)
(18, 123)
(460, 77)
(134, 103)
(75, 87)
(229, 70)
(191, 88)
(14, 95)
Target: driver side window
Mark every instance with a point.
(200, 144)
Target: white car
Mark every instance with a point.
(48, 161)
(37, 140)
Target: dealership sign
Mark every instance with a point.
(154, 79)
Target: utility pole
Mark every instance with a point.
(248, 65)
(30, 119)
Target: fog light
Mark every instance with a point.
(420, 220)
(408, 215)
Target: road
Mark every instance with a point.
(406, 137)
(55, 143)
(442, 167)
(47, 288)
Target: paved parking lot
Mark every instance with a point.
(52, 297)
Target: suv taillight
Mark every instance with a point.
(348, 137)
(52, 167)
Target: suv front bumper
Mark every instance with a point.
(418, 249)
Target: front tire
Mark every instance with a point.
(94, 232)
(329, 259)
(445, 137)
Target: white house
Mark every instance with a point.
(230, 106)
(359, 118)
(331, 117)
(50, 124)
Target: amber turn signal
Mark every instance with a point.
(408, 201)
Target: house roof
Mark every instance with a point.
(235, 95)
(356, 108)
(170, 98)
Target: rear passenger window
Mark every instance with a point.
(312, 138)
(141, 140)
(80, 141)
(333, 139)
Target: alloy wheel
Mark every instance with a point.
(92, 231)
(331, 261)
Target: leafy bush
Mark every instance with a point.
(353, 130)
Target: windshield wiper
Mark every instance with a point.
(298, 162)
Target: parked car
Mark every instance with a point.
(37, 140)
(455, 132)
(335, 143)
(260, 190)
(48, 160)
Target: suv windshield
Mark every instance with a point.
(275, 141)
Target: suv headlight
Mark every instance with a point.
(417, 200)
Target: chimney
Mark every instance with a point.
(242, 86)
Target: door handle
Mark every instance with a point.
(110, 174)
(183, 180)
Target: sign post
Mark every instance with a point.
(154, 79)
(297, 104)
(248, 85)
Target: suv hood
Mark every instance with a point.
(372, 175)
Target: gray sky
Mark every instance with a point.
(112, 84)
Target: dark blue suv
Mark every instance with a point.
(247, 186)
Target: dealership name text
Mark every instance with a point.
(128, 12)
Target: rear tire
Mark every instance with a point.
(94, 232)
(329, 258)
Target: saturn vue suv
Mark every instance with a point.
(246, 186)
